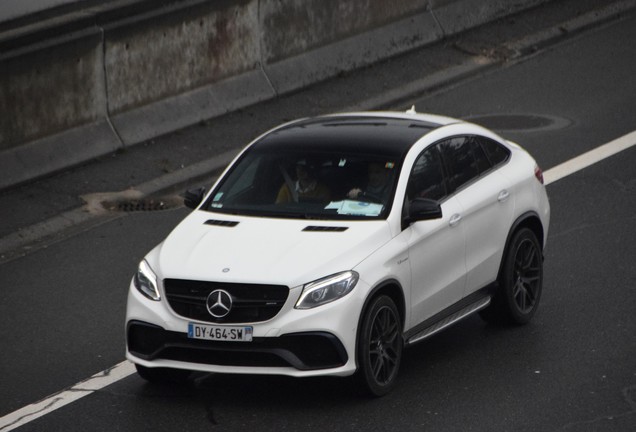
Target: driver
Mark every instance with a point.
(378, 186)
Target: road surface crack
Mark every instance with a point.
(629, 394)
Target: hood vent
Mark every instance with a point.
(315, 228)
(229, 224)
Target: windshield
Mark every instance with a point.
(312, 185)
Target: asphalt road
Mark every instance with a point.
(573, 368)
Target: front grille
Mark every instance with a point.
(303, 351)
(250, 302)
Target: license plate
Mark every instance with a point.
(218, 333)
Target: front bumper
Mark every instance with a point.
(302, 351)
(319, 341)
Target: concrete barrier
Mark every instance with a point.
(80, 85)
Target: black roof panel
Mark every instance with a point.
(375, 135)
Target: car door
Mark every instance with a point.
(487, 207)
(436, 247)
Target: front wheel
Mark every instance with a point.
(520, 282)
(380, 346)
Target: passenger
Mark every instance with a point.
(378, 186)
(306, 187)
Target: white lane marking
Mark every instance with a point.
(126, 368)
(589, 158)
(84, 388)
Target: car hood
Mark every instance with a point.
(225, 248)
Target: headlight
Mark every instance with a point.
(145, 281)
(327, 290)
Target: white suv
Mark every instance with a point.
(332, 242)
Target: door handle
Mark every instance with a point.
(455, 219)
(503, 196)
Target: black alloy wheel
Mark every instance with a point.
(520, 282)
(526, 276)
(380, 346)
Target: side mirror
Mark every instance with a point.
(193, 197)
(421, 209)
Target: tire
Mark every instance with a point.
(163, 375)
(380, 346)
(520, 282)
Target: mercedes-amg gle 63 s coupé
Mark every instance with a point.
(331, 243)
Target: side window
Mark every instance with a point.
(482, 161)
(496, 153)
(460, 161)
(427, 177)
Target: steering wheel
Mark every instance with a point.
(369, 197)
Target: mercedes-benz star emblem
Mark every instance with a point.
(219, 303)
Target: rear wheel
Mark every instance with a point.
(163, 375)
(520, 282)
(380, 346)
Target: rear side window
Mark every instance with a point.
(481, 160)
(497, 154)
(460, 161)
(468, 157)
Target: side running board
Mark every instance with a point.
(449, 320)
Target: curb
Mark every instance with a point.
(579, 24)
